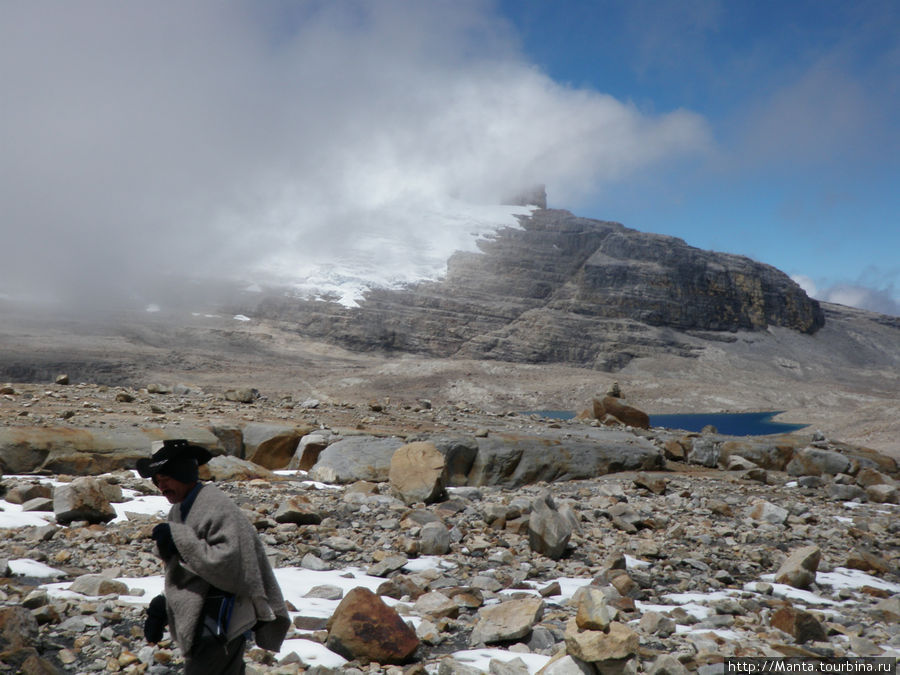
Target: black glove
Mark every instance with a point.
(162, 535)
(156, 619)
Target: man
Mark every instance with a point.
(219, 585)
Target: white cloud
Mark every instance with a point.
(209, 138)
(873, 299)
(861, 294)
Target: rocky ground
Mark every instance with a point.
(684, 555)
(691, 563)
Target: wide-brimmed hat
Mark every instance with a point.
(171, 454)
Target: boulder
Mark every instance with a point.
(548, 531)
(771, 454)
(20, 493)
(242, 395)
(859, 559)
(86, 452)
(309, 449)
(38, 504)
(883, 493)
(845, 493)
(768, 512)
(624, 413)
(565, 664)
(434, 539)
(297, 509)
(593, 646)
(704, 451)
(799, 624)
(231, 438)
(363, 627)
(593, 612)
(271, 445)
(509, 620)
(813, 461)
(459, 454)
(799, 569)
(96, 585)
(82, 499)
(18, 628)
(436, 605)
(417, 473)
(356, 458)
(868, 477)
(226, 467)
(667, 664)
(512, 461)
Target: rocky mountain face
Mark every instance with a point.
(565, 289)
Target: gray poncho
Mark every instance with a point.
(219, 547)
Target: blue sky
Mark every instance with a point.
(802, 99)
(255, 140)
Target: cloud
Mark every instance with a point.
(859, 294)
(875, 300)
(144, 139)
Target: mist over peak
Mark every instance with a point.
(262, 141)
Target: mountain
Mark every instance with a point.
(564, 289)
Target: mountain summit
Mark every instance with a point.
(561, 288)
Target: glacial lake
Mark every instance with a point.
(730, 424)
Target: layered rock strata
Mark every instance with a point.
(565, 289)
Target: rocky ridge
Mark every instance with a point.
(748, 524)
(564, 289)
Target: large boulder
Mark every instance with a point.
(97, 585)
(417, 473)
(310, 447)
(799, 569)
(817, 461)
(226, 467)
(622, 411)
(86, 452)
(356, 458)
(82, 499)
(548, 530)
(594, 646)
(769, 453)
(704, 451)
(271, 445)
(506, 621)
(363, 627)
(513, 461)
(459, 454)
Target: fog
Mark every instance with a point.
(255, 141)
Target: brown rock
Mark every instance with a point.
(509, 620)
(364, 628)
(593, 645)
(656, 485)
(867, 562)
(799, 569)
(593, 612)
(271, 445)
(674, 450)
(802, 625)
(626, 414)
(417, 473)
(82, 499)
(297, 509)
(18, 628)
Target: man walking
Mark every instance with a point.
(219, 585)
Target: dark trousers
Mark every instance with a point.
(212, 657)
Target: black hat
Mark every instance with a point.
(176, 458)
